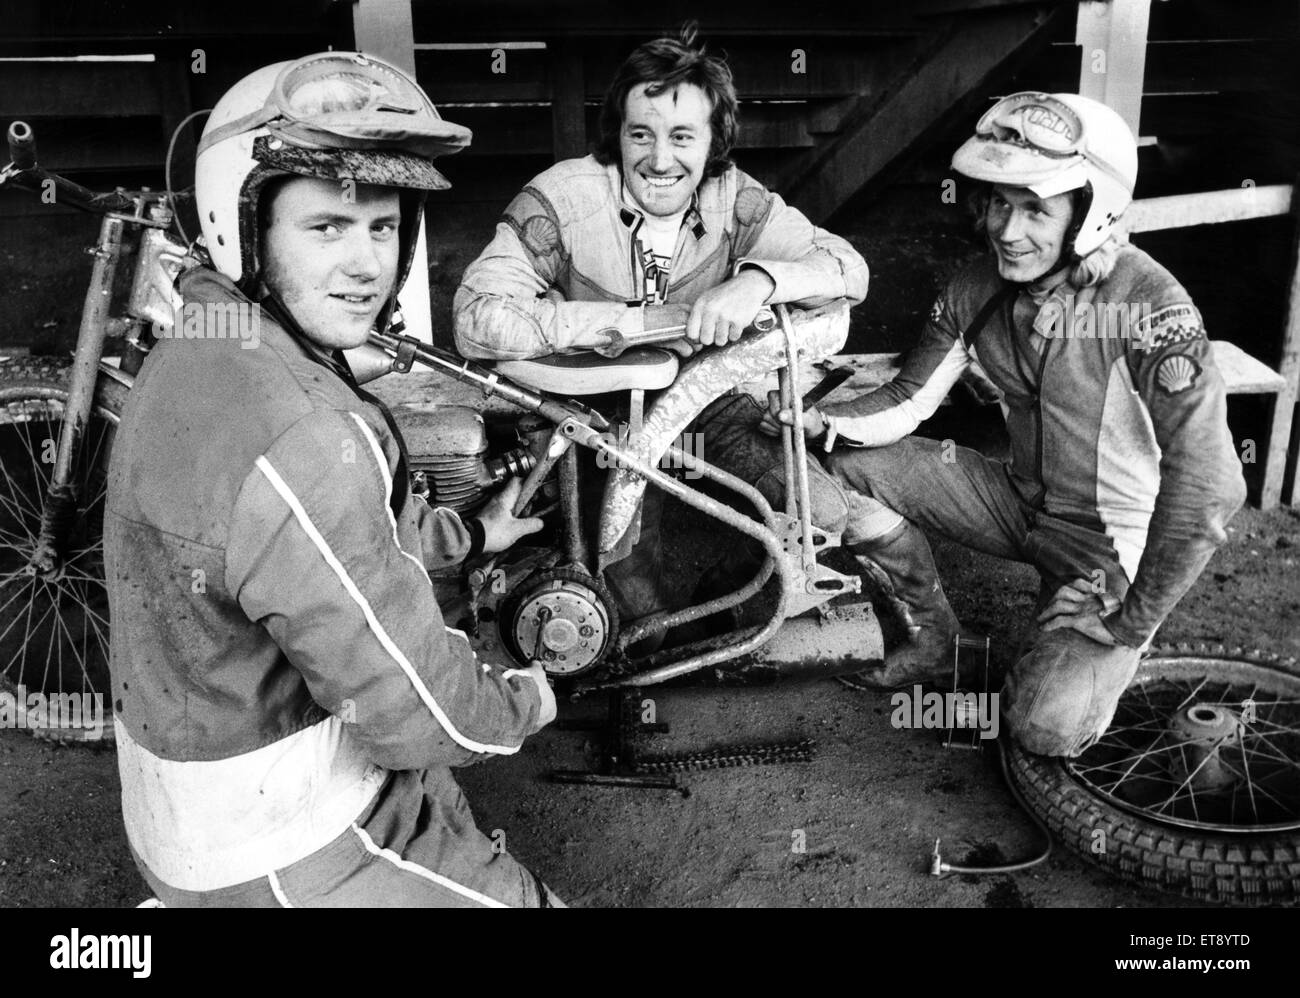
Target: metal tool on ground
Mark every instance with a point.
(620, 341)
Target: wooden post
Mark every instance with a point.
(1113, 36)
(1289, 367)
(385, 28)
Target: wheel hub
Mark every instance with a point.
(565, 622)
(1205, 731)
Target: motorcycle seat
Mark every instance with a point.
(588, 373)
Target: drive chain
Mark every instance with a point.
(729, 756)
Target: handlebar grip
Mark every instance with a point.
(22, 145)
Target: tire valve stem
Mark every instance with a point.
(937, 866)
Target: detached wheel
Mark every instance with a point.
(1195, 787)
(54, 629)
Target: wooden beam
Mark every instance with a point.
(1113, 35)
(1209, 208)
(384, 28)
(78, 89)
(1279, 440)
(967, 52)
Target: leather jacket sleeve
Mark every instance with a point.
(895, 409)
(809, 265)
(1201, 484)
(316, 557)
(445, 539)
(509, 305)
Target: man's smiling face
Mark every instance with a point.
(1026, 232)
(665, 144)
(330, 254)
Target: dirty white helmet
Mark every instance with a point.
(333, 115)
(1053, 143)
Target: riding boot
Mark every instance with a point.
(903, 567)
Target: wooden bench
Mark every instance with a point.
(1242, 373)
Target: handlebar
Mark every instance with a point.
(22, 145)
(24, 172)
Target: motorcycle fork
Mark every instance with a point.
(61, 500)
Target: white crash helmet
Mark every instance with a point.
(1053, 143)
(334, 116)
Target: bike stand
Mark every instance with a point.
(965, 734)
(623, 766)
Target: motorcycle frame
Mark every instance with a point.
(577, 424)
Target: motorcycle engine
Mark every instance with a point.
(448, 455)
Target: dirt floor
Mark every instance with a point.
(866, 810)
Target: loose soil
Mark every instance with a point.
(865, 811)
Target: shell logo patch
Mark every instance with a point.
(1177, 374)
(936, 310)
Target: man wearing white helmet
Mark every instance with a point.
(1122, 473)
(287, 699)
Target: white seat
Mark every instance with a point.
(589, 373)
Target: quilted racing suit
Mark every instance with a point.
(1122, 469)
(287, 700)
(565, 262)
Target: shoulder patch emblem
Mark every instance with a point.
(936, 310)
(1177, 374)
(1171, 324)
(752, 205)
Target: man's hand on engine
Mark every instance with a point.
(721, 314)
(776, 417)
(500, 527)
(1076, 605)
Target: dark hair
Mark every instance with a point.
(663, 64)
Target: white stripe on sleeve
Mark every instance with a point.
(893, 424)
(304, 521)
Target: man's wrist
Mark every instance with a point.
(1111, 621)
(768, 281)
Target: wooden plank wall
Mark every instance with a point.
(106, 122)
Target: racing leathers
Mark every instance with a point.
(1122, 470)
(287, 699)
(566, 261)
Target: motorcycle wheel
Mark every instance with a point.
(54, 633)
(1195, 786)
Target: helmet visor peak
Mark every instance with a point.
(348, 100)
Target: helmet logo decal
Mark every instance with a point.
(1043, 119)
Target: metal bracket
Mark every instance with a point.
(406, 349)
(808, 589)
